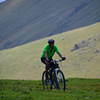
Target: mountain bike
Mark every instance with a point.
(54, 77)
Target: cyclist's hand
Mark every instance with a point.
(63, 58)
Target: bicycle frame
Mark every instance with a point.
(58, 76)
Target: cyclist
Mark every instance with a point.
(48, 53)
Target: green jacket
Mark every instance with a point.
(50, 51)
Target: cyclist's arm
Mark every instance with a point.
(63, 58)
(59, 54)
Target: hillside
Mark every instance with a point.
(23, 62)
(23, 21)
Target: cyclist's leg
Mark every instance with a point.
(51, 80)
(55, 78)
(44, 61)
(52, 68)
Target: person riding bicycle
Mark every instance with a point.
(48, 53)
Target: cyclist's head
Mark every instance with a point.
(51, 42)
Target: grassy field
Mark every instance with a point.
(23, 62)
(78, 89)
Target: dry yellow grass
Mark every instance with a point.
(23, 62)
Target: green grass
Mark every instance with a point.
(78, 89)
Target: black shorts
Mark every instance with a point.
(43, 60)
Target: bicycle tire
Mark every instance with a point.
(57, 81)
(45, 82)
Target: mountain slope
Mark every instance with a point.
(22, 21)
(23, 62)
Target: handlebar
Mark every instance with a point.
(59, 60)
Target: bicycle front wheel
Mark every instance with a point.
(61, 80)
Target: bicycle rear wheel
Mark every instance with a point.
(46, 82)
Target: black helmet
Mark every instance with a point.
(50, 41)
